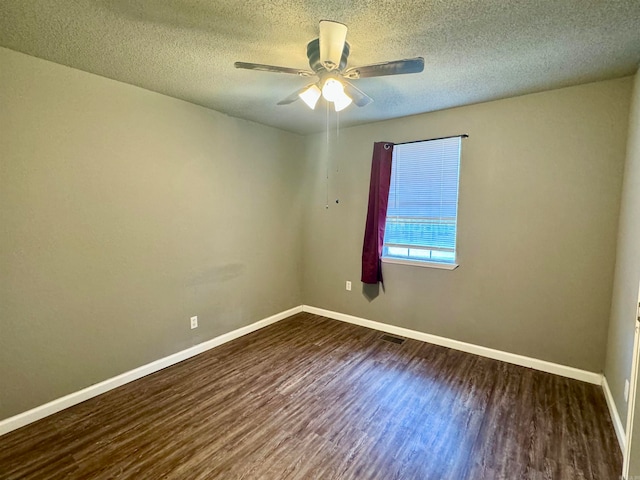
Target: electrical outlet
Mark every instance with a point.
(348, 285)
(194, 322)
(626, 390)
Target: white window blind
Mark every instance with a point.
(423, 201)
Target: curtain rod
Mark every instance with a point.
(464, 135)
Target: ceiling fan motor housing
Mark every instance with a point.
(313, 53)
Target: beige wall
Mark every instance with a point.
(539, 197)
(627, 272)
(123, 213)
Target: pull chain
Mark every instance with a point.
(326, 205)
(338, 159)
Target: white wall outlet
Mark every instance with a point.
(194, 322)
(626, 390)
(348, 285)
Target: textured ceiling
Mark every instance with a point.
(474, 50)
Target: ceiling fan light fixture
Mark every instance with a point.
(311, 96)
(328, 55)
(332, 89)
(342, 102)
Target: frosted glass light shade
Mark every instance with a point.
(342, 102)
(332, 89)
(311, 96)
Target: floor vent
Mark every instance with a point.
(391, 339)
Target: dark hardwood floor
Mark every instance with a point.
(313, 398)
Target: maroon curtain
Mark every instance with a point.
(377, 213)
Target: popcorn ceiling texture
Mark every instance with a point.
(474, 50)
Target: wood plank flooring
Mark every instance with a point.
(314, 398)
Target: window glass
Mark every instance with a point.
(423, 201)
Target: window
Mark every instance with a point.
(423, 203)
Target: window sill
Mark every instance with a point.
(418, 263)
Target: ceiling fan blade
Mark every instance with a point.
(273, 68)
(293, 97)
(332, 38)
(397, 67)
(358, 96)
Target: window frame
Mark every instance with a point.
(417, 262)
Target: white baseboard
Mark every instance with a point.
(615, 417)
(30, 416)
(549, 367)
(12, 423)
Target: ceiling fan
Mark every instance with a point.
(328, 61)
